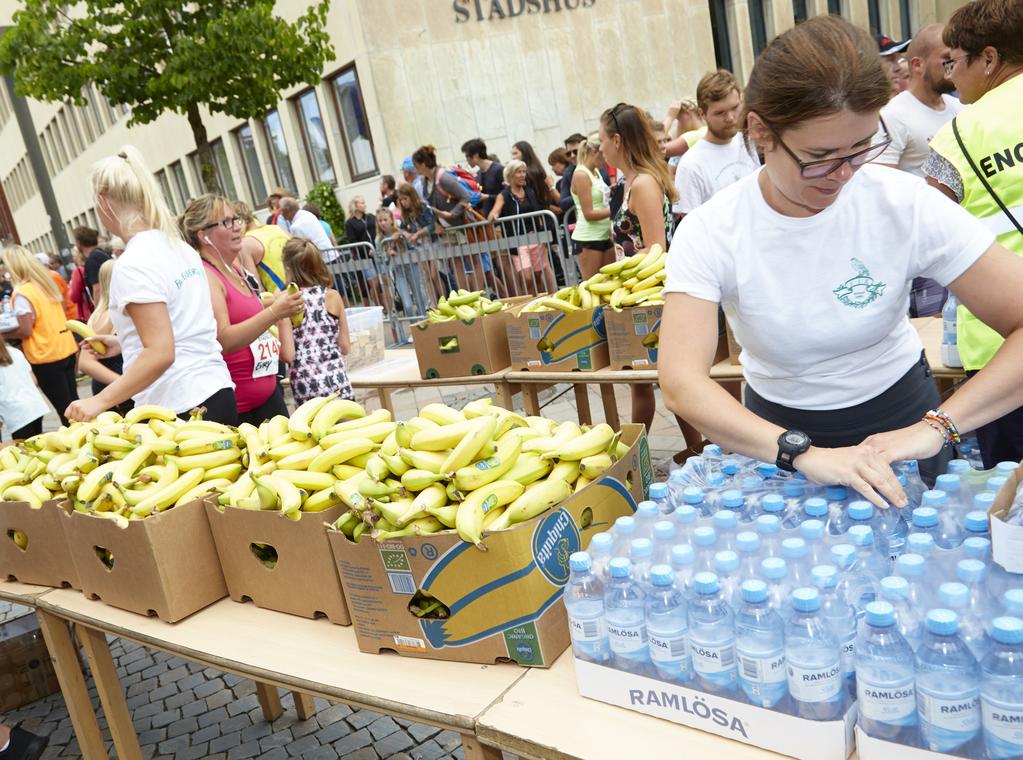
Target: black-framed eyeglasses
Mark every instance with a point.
(950, 63)
(826, 166)
(225, 223)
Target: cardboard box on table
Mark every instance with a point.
(166, 564)
(869, 748)
(26, 670)
(459, 348)
(557, 341)
(46, 560)
(505, 602)
(1006, 540)
(303, 582)
(632, 336)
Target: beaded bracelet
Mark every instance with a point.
(943, 424)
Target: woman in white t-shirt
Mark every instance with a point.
(22, 405)
(812, 258)
(159, 303)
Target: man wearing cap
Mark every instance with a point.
(273, 202)
(892, 55)
(408, 171)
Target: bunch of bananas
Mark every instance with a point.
(85, 332)
(462, 304)
(478, 470)
(638, 279)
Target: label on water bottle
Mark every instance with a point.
(709, 659)
(766, 668)
(588, 629)
(627, 639)
(948, 719)
(1003, 728)
(849, 655)
(893, 703)
(814, 683)
(668, 646)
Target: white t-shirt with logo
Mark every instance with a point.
(911, 125)
(707, 168)
(155, 269)
(819, 304)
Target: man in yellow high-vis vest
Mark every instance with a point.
(977, 160)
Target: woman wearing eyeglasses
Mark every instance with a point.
(252, 353)
(159, 303)
(812, 258)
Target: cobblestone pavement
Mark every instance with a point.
(184, 711)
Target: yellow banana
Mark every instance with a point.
(206, 461)
(296, 319)
(563, 433)
(345, 471)
(207, 486)
(592, 467)
(529, 468)
(593, 441)
(340, 453)
(20, 539)
(299, 422)
(23, 493)
(290, 495)
(300, 460)
(638, 296)
(472, 510)
(424, 460)
(276, 426)
(417, 480)
(149, 412)
(206, 443)
(443, 437)
(10, 478)
(481, 430)
(478, 474)
(479, 407)
(567, 471)
(131, 464)
(491, 517)
(442, 414)
(91, 483)
(377, 433)
(111, 443)
(432, 497)
(377, 468)
(348, 492)
(538, 498)
(329, 414)
(166, 497)
(373, 490)
(307, 480)
(228, 472)
(278, 453)
(446, 514)
(82, 330)
(323, 499)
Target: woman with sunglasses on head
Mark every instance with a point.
(159, 303)
(210, 225)
(812, 258)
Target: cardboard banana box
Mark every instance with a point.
(484, 606)
(165, 565)
(33, 548)
(278, 564)
(574, 341)
(633, 335)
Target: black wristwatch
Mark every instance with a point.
(791, 444)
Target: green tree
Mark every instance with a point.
(231, 56)
(322, 194)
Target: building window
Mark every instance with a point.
(719, 31)
(180, 182)
(874, 15)
(799, 12)
(108, 109)
(161, 178)
(74, 141)
(905, 16)
(277, 147)
(58, 139)
(757, 25)
(834, 7)
(44, 144)
(250, 162)
(314, 135)
(351, 116)
(220, 166)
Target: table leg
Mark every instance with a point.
(474, 750)
(270, 700)
(582, 403)
(384, 394)
(72, 685)
(305, 705)
(505, 393)
(531, 399)
(607, 395)
(111, 695)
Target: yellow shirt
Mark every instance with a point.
(272, 238)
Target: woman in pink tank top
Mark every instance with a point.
(252, 354)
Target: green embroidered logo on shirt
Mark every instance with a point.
(860, 290)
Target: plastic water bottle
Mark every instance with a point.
(726, 525)
(793, 493)
(685, 523)
(584, 603)
(716, 482)
(774, 573)
(647, 513)
(760, 647)
(1001, 690)
(860, 512)
(837, 499)
(705, 545)
(892, 525)
(955, 488)
(659, 496)
(683, 561)
(949, 344)
(913, 568)
(1006, 469)
(923, 545)
(958, 466)
(1000, 581)
(956, 597)
(868, 558)
(768, 527)
(796, 556)
(915, 485)
(665, 537)
(712, 456)
(624, 610)
(976, 522)
(770, 504)
(817, 552)
(712, 638)
(908, 619)
(972, 573)
(945, 523)
(641, 554)
(624, 532)
(855, 586)
(726, 567)
(747, 546)
(947, 689)
(678, 481)
(813, 661)
(976, 547)
(994, 483)
(885, 690)
(841, 619)
(814, 508)
(1012, 602)
(601, 551)
(696, 498)
(730, 469)
(734, 501)
(667, 628)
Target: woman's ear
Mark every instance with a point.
(758, 132)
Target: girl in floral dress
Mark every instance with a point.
(321, 340)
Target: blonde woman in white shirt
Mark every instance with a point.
(812, 258)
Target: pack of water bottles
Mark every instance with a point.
(739, 598)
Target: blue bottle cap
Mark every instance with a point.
(861, 535)
(664, 530)
(580, 562)
(954, 595)
(726, 562)
(1007, 630)
(894, 587)
(794, 489)
(693, 495)
(933, 499)
(658, 491)
(995, 483)
(768, 524)
(970, 570)
(747, 542)
(977, 547)
(942, 622)
(625, 526)
(767, 470)
(661, 575)
(920, 543)
(641, 548)
(704, 536)
(602, 543)
(958, 466)
(982, 502)
(725, 519)
(772, 503)
(715, 480)
(976, 521)
(751, 483)
(836, 493)
(843, 555)
(773, 568)
(949, 483)
(925, 517)
(705, 583)
(806, 599)
(685, 514)
(911, 565)
(731, 499)
(861, 510)
(815, 507)
(712, 450)
(793, 548)
(620, 567)
(824, 576)
(811, 530)
(682, 555)
(754, 591)
(1006, 468)
(729, 466)
(1013, 601)
(880, 614)
(648, 510)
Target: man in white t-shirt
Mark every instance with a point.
(722, 156)
(916, 114)
(304, 224)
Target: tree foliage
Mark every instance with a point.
(232, 56)
(323, 195)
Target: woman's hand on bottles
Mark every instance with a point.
(863, 468)
(919, 441)
(287, 304)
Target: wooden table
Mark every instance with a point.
(313, 657)
(400, 370)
